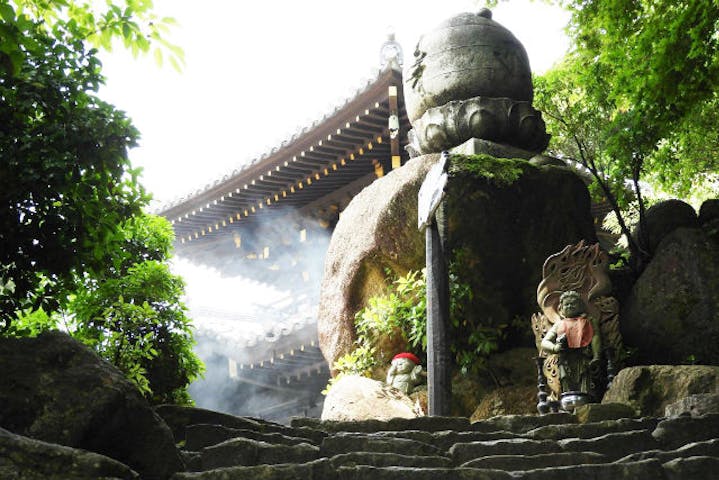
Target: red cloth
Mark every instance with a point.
(578, 330)
(407, 355)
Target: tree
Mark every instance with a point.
(133, 316)
(67, 180)
(73, 236)
(640, 72)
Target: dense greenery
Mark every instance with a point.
(66, 153)
(77, 252)
(397, 321)
(635, 99)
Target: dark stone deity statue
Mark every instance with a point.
(577, 339)
(577, 332)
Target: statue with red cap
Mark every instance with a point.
(405, 374)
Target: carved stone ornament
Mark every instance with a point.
(471, 79)
(500, 120)
(584, 269)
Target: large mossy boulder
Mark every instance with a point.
(54, 389)
(505, 217)
(672, 313)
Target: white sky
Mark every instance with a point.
(258, 71)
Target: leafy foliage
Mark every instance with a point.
(134, 316)
(66, 153)
(635, 98)
(398, 319)
(95, 23)
(76, 250)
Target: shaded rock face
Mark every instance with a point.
(662, 219)
(672, 313)
(54, 389)
(359, 398)
(650, 389)
(507, 401)
(500, 233)
(28, 459)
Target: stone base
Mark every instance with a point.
(474, 146)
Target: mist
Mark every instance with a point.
(253, 303)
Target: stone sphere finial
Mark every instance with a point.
(470, 78)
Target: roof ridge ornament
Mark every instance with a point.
(390, 53)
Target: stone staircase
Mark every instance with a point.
(555, 446)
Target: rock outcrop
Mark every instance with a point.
(54, 389)
(504, 218)
(672, 313)
(650, 389)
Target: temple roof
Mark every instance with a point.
(344, 147)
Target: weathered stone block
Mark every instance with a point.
(672, 313)
(694, 405)
(597, 412)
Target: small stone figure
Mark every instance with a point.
(405, 374)
(577, 340)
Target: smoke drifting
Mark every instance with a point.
(253, 301)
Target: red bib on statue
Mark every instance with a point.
(578, 330)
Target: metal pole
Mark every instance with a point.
(438, 361)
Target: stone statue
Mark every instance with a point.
(405, 374)
(577, 339)
(584, 270)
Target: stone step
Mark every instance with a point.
(513, 463)
(409, 473)
(316, 470)
(243, 451)
(204, 435)
(343, 443)
(375, 459)
(521, 423)
(645, 469)
(692, 468)
(427, 424)
(442, 440)
(613, 445)
(709, 448)
(672, 433)
(178, 418)
(464, 452)
(591, 430)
